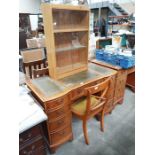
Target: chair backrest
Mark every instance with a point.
(33, 54)
(29, 66)
(40, 72)
(102, 89)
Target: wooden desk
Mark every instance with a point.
(57, 96)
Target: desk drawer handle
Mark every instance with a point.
(79, 91)
(62, 133)
(60, 100)
(60, 122)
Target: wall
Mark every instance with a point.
(29, 6)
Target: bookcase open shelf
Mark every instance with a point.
(66, 31)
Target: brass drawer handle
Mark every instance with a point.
(61, 100)
(60, 122)
(79, 91)
(62, 133)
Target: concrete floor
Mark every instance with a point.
(118, 137)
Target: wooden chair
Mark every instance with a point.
(40, 72)
(91, 104)
(38, 64)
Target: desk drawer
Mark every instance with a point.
(29, 134)
(58, 102)
(31, 149)
(77, 93)
(58, 112)
(60, 135)
(59, 123)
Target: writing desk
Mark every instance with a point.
(57, 96)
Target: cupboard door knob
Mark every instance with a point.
(24, 152)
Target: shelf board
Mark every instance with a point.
(120, 24)
(69, 48)
(123, 16)
(70, 30)
(69, 68)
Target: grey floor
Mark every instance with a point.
(118, 137)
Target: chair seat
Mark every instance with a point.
(80, 105)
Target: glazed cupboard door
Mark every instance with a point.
(67, 39)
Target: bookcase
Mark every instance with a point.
(66, 36)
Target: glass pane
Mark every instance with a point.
(79, 78)
(47, 86)
(66, 19)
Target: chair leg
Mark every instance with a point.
(102, 121)
(85, 132)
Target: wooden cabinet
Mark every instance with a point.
(31, 142)
(66, 31)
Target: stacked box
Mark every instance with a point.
(115, 59)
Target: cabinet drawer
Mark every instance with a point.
(29, 134)
(59, 123)
(60, 135)
(58, 112)
(56, 103)
(31, 148)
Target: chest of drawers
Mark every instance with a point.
(31, 142)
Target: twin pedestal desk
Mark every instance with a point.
(56, 96)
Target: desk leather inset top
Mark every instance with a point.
(48, 88)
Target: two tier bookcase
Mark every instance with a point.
(66, 35)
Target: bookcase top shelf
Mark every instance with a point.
(70, 30)
(66, 7)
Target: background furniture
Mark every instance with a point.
(40, 72)
(29, 66)
(31, 138)
(35, 43)
(91, 104)
(33, 59)
(56, 98)
(66, 31)
(31, 142)
(102, 42)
